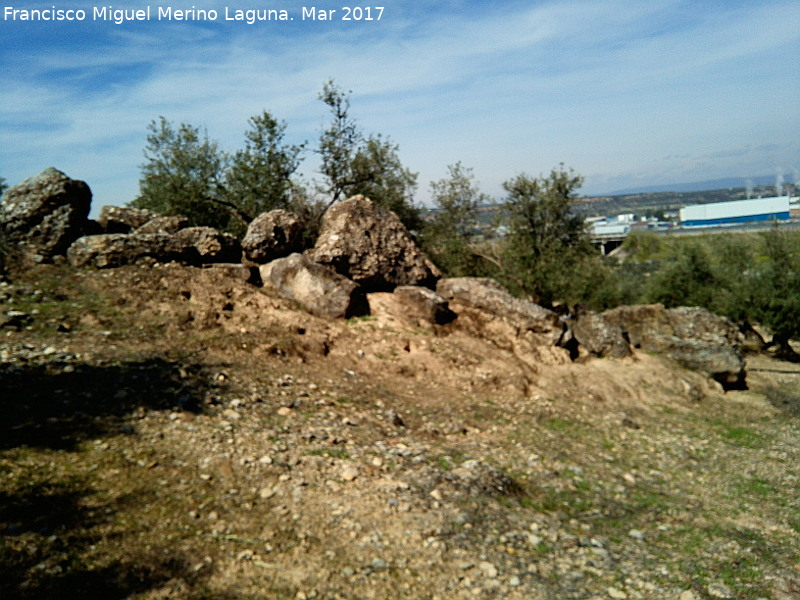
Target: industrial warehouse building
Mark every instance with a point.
(777, 208)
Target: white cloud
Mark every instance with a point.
(609, 88)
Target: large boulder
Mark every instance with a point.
(597, 335)
(487, 296)
(694, 337)
(371, 246)
(274, 234)
(320, 290)
(213, 246)
(123, 219)
(118, 249)
(46, 213)
(485, 309)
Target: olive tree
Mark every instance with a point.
(547, 249)
(187, 174)
(448, 234)
(183, 175)
(259, 178)
(352, 163)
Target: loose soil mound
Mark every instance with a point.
(177, 433)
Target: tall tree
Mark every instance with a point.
(353, 163)
(447, 233)
(548, 247)
(183, 175)
(687, 279)
(777, 285)
(260, 175)
(3, 185)
(379, 174)
(338, 144)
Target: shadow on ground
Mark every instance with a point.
(45, 551)
(50, 520)
(56, 405)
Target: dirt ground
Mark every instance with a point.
(171, 432)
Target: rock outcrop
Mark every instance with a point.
(271, 235)
(487, 310)
(119, 249)
(490, 299)
(694, 337)
(597, 335)
(212, 246)
(45, 214)
(320, 290)
(164, 224)
(122, 219)
(371, 246)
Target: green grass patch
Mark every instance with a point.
(757, 488)
(560, 425)
(330, 452)
(742, 437)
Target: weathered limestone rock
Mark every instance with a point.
(320, 290)
(598, 336)
(371, 246)
(271, 235)
(211, 245)
(162, 224)
(123, 219)
(118, 249)
(489, 297)
(694, 337)
(46, 213)
(487, 310)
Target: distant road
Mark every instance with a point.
(743, 228)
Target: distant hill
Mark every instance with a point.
(701, 186)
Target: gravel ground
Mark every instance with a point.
(176, 433)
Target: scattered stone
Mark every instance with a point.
(267, 492)
(15, 319)
(719, 590)
(349, 473)
(488, 569)
(617, 594)
(636, 534)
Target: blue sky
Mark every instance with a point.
(627, 93)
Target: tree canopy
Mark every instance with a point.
(448, 232)
(548, 255)
(183, 175)
(352, 163)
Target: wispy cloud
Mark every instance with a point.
(609, 88)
